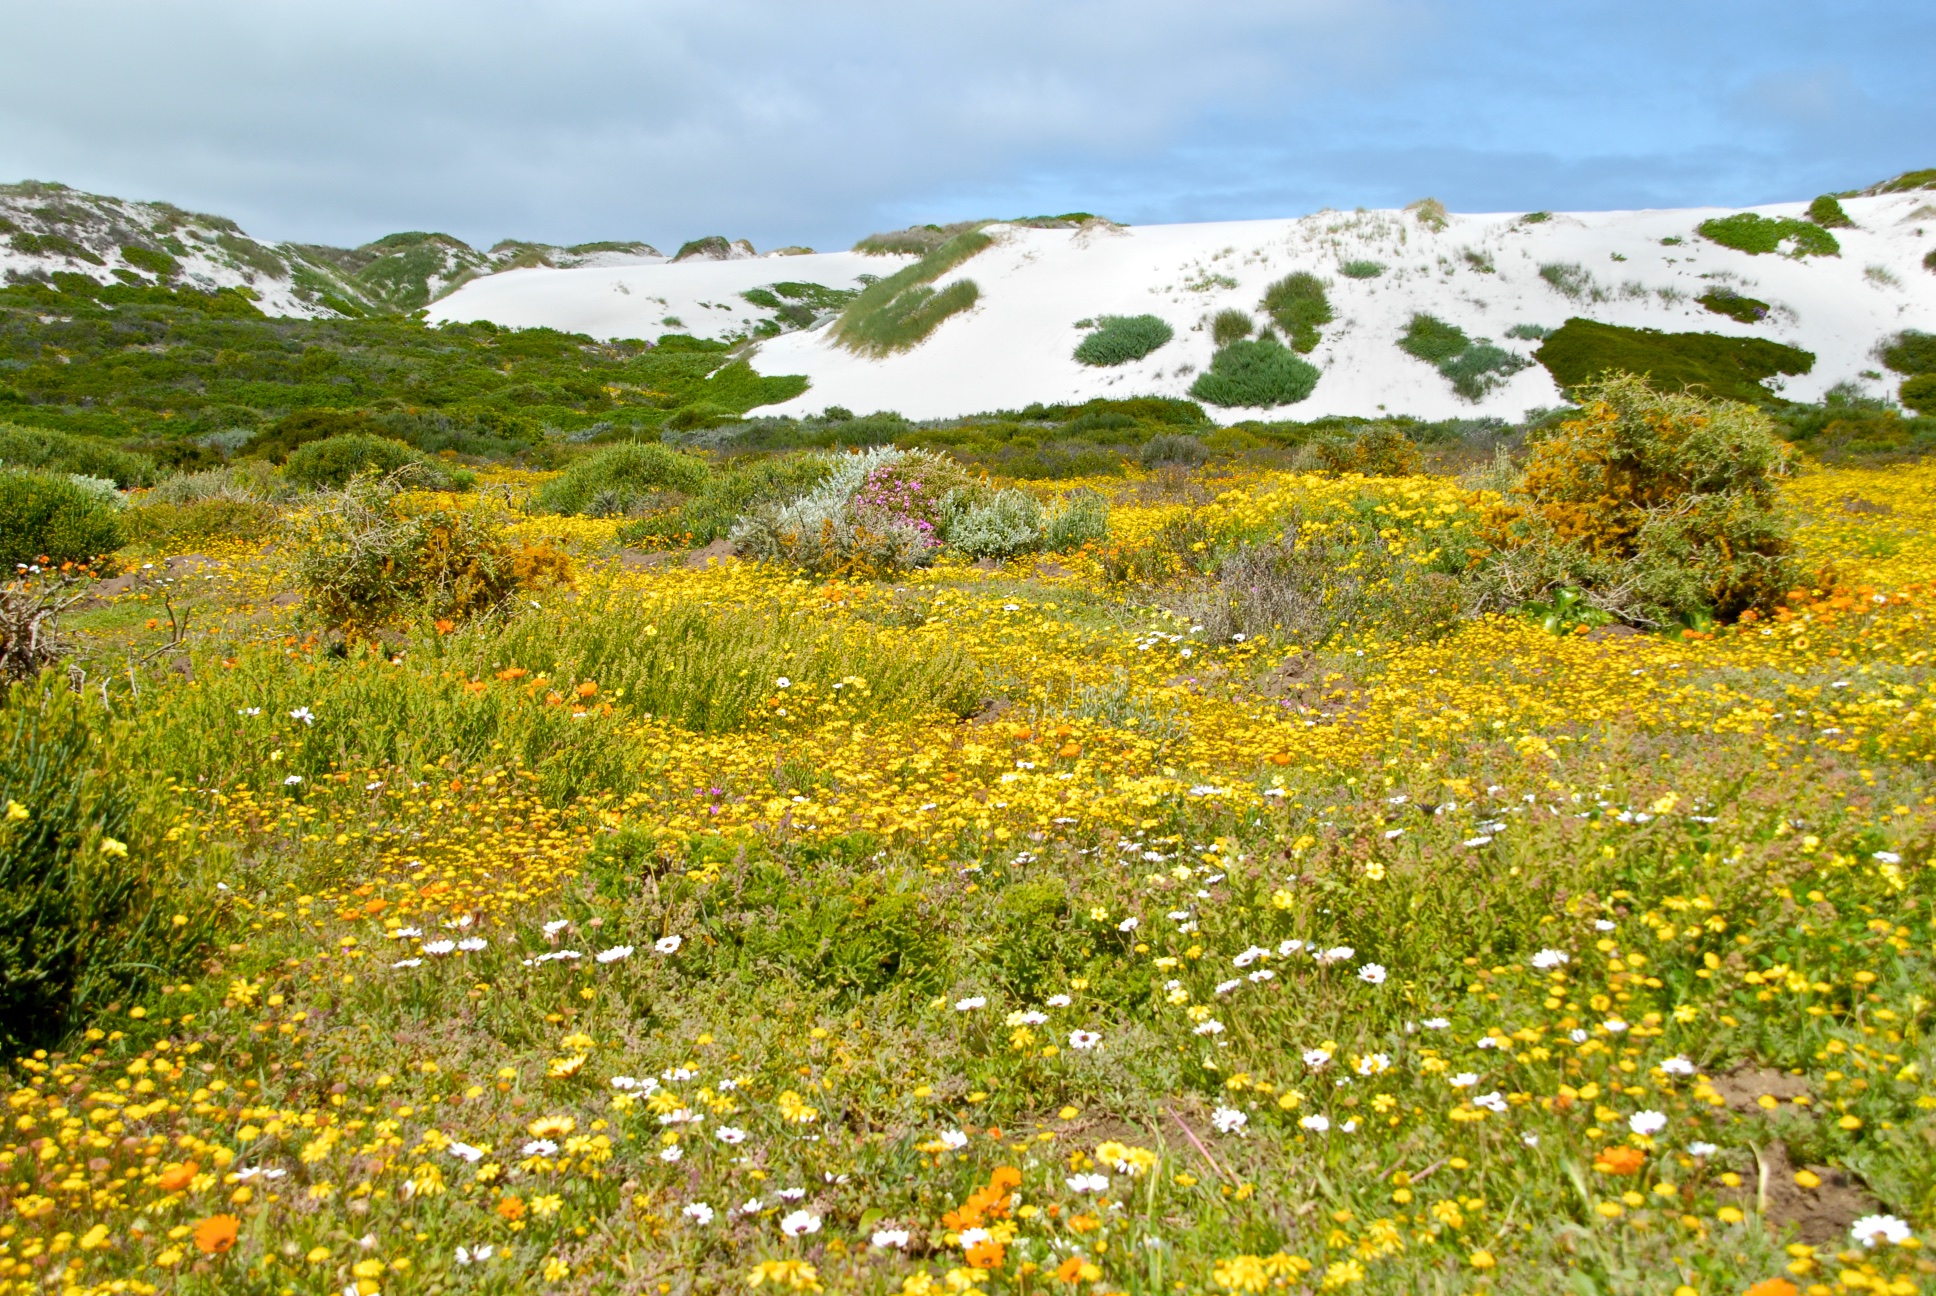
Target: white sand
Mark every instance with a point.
(1015, 346)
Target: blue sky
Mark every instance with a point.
(818, 121)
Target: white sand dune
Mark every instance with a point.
(1015, 346)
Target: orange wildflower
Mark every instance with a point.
(1620, 1160)
(177, 1177)
(216, 1234)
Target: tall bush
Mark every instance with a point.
(78, 915)
(1660, 506)
(59, 452)
(43, 515)
(331, 463)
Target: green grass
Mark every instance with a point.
(900, 311)
(1299, 305)
(1756, 235)
(1827, 212)
(1734, 368)
(1119, 339)
(1361, 269)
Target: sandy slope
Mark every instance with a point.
(1015, 346)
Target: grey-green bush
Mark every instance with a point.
(1000, 524)
(1172, 448)
(1077, 519)
(1119, 339)
(1260, 373)
(621, 479)
(45, 515)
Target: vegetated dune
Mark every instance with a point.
(1485, 274)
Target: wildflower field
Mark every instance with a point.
(701, 925)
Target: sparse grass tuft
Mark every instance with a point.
(900, 311)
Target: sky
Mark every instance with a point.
(818, 121)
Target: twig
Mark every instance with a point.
(1197, 1143)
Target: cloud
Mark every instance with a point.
(785, 123)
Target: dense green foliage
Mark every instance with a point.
(1911, 352)
(1661, 506)
(733, 488)
(1260, 373)
(1119, 339)
(1362, 269)
(1734, 305)
(1919, 393)
(161, 370)
(1474, 366)
(1731, 368)
(49, 515)
(1827, 212)
(77, 914)
(331, 463)
(59, 452)
(1229, 326)
(621, 478)
(901, 310)
(1756, 234)
(1299, 305)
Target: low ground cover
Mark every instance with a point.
(1219, 905)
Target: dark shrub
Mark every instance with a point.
(1119, 339)
(1919, 393)
(1728, 302)
(1727, 367)
(47, 515)
(1911, 353)
(277, 441)
(1261, 373)
(621, 479)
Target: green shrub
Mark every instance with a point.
(1077, 519)
(1119, 339)
(1929, 259)
(1919, 393)
(732, 490)
(53, 245)
(79, 917)
(1473, 365)
(1380, 450)
(1230, 326)
(283, 437)
(1755, 234)
(153, 260)
(46, 450)
(1299, 305)
(1827, 212)
(1529, 332)
(366, 561)
(622, 479)
(1261, 373)
(1172, 448)
(1661, 507)
(1362, 269)
(1911, 352)
(1536, 218)
(901, 310)
(1430, 213)
(52, 516)
(1727, 368)
(1728, 302)
(330, 464)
